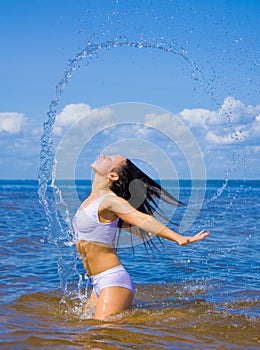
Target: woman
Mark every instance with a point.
(122, 196)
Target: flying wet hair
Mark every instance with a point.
(143, 193)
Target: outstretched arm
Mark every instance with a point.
(182, 240)
(148, 223)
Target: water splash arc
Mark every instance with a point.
(46, 175)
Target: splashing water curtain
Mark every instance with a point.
(60, 232)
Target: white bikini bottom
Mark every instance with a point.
(115, 277)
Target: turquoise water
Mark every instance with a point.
(199, 296)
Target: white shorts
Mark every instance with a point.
(115, 277)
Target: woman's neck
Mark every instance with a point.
(100, 185)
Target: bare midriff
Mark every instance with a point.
(97, 257)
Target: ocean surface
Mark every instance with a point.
(202, 296)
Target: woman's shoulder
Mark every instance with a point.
(117, 204)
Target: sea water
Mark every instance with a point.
(204, 295)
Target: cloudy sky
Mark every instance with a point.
(171, 84)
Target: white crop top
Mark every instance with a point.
(87, 226)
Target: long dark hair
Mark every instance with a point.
(142, 192)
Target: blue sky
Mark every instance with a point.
(210, 82)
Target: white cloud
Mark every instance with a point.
(233, 122)
(166, 122)
(87, 125)
(256, 149)
(228, 139)
(12, 122)
(199, 117)
(256, 126)
(69, 115)
(237, 111)
(231, 129)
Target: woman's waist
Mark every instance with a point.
(97, 267)
(96, 257)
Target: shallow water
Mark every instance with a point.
(203, 296)
(156, 321)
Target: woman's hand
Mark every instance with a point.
(198, 237)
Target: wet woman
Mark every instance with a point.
(122, 196)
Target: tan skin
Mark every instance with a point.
(98, 257)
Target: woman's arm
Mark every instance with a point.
(148, 223)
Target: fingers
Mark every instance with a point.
(199, 236)
(207, 233)
(202, 233)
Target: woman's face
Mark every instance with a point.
(105, 164)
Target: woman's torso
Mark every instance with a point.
(95, 228)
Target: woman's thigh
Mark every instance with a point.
(113, 300)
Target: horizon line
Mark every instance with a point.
(165, 179)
